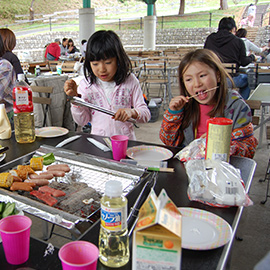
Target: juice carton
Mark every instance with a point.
(157, 235)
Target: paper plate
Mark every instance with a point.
(202, 230)
(51, 132)
(149, 153)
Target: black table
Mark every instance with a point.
(175, 185)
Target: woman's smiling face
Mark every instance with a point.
(199, 77)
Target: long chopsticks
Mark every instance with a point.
(208, 90)
(79, 101)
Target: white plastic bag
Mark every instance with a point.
(216, 183)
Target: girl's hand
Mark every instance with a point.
(70, 88)
(124, 114)
(177, 103)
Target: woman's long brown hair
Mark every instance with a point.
(191, 109)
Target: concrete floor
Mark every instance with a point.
(254, 226)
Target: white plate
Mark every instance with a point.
(149, 153)
(202, 230)
(51, 132)
(2, 157)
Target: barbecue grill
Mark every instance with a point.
(86, 179)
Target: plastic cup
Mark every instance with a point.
(59, 69)
(15, 233)
(79, 255)
(119, 146)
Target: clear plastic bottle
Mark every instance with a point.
(113, 237)
(24, 123)
(5, 127)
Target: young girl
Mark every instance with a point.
(185, 120)
(108, 83)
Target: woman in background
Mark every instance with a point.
(9, 41)
(250, 46)
(7, 82)
(71, 47)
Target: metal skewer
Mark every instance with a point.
(208, 90)
(79, 101)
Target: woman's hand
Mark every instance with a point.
(177, 103)
(124, 114)
(70, 88)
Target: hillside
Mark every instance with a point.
(21, 7)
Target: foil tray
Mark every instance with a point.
(85, 168)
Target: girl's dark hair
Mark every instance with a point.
(2, 48)
(241, 32)
(9, 39)
(103, 45)
(191, 109)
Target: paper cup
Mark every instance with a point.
(79, 255)
(15, 233)
(218, 138)
(119, 146)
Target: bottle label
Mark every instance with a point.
(22, 100)
(114, 219)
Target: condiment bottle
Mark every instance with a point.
(37, 70)
(24, 123)
(113, 237)
(5, 127)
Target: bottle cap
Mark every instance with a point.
(37, 66)
(20, 77)
(113, 188)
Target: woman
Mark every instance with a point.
(7, 82)
(9, 41)
(250, 46)
(71, 47)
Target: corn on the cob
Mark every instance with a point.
(36, 163)
(6, 179)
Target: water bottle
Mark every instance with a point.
(24, 123)
(113, 237)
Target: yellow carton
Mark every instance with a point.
(157, 235)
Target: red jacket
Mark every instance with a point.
(54, 50)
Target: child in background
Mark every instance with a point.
(108, 83)
(185, 120)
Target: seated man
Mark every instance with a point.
(53, 50)
(231, 49)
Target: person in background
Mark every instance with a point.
(251, 15)
(64, 46)
(7, 82)
(231, 49)
(9, 41)
(83, 47)
(250, 46)
(108, 83)
(266, 54)
(71, 47)
(53, 50)
(185, 120)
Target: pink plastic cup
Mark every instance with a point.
(119, 146)
(15, 233)
(79, 255)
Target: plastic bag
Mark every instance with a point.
(195, 150)
(216, 183)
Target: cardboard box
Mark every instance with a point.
(157, 235)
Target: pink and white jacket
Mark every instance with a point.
(125, 95)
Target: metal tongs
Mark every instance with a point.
(81, 102)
